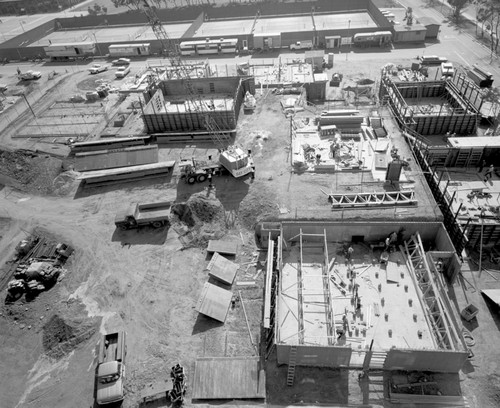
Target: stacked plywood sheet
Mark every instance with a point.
(222, 269)
(214, 302)
(229, 378)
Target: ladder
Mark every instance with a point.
(291, 366)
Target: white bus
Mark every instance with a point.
(219, 46)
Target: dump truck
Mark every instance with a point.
(111, 368)
(138, 215)
(233, 160)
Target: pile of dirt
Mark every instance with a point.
(29, 171)
(204, 217)
(259, 205)
(207, 209)
(61, 336)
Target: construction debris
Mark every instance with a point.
(36, 267)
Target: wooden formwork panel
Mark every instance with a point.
(430, 125)
(316, 356)
(491, 234)
(443, 361)
(421, 90)
(158, 123)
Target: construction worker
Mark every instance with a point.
(489, 173)
(482, 166)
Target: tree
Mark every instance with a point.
(488, 14)
(131, 4)
(457, 7)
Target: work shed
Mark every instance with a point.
(371, 307)
(432, 26)
(409, 34)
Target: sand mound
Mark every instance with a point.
(206, 209)
(204, 218)
(61, 336)
(29, 171)
(258, 206)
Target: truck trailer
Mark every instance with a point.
(129, 50)
(69, 51)
(111, 368)
(138, 215)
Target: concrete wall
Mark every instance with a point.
(315, 356)
(425, 360)
(293, 37)
(202, 86)
(14, 50)
(258, 41)
(372, 231)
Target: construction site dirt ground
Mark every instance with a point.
(146, 283)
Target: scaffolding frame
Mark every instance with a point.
(301, 292)
(436, 314)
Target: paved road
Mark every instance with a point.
(454, 43)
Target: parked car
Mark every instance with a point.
(30, 75)
(121, 61)
(96, 68)
(122, 72)
(432, 60)
(447, 69)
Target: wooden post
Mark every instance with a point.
(481, 248)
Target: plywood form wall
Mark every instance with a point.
(202, 86)
(315, 356)
(187, 121)
(462, 124)
(425, 360)
(372, 231)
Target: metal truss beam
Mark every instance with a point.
(373, 199)
(433, 308)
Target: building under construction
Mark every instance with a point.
(177, 106)
(370, 307)
(433, 107)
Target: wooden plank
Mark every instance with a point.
(392, 272)
(154, 391)
(228, 378)
(214, 302)
(433, 400)
(267, 292)
(222, 269)
(223, 247)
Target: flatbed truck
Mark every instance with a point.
(111, 368)
(137, 215)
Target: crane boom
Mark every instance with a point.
(233, 158)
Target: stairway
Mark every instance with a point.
(291, 366)
(378, 359)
